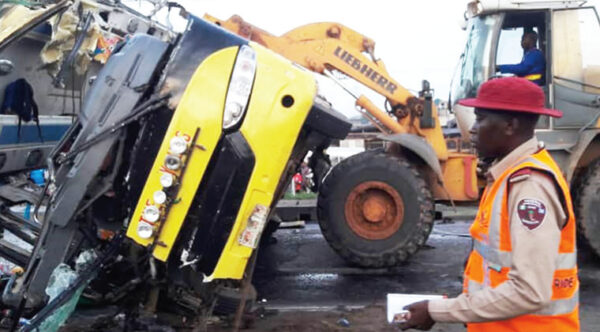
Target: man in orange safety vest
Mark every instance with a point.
(521, 274)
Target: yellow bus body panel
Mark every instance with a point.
(271, 130)
(201, 107)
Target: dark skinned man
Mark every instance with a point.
(521, 274)
(533, 64)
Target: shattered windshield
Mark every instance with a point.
(473, 64)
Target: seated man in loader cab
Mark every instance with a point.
(533, 64)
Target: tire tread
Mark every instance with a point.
(586, 189)
(388, 258)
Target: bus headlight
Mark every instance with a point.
(240, 86)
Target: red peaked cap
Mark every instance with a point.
(511, 94)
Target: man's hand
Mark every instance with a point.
(418, 317)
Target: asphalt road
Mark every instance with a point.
(303, 285)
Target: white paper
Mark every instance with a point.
(396, 302)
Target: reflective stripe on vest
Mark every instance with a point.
(556, 307)
(492, 248)
(533, 77)
(560, 307)
(504, 258)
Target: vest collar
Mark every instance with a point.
(499, 166)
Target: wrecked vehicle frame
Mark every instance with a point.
(168, 176)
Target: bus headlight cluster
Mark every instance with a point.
(160, 197)
(178, 145)
(173, 163)
(151, 213)
(167, 180)
(145, 230)
(240, 86)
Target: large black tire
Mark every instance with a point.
(587, 200)
(400, 176)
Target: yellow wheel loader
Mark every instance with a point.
(376, 208)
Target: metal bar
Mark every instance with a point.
(17, 231)
(58, 80)
(51, 168)
(51, 248)
(578, 82)
(58, 95)
(334, 79)
(138, 112)
(15, 218)
(369, 110)
(245, 289)
(13, 253)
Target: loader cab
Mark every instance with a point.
(568, 36)
(508, 48)
(576, 67)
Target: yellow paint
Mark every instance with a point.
(200, 107)
(320, 46)
(455, 178)
(271, 131)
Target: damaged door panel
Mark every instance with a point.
(111, 100)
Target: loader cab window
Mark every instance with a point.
(509, 45)
(473, 66)
(577, 49)
(514, 25)
(576, 65)
(509, 50)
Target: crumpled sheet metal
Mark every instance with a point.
(15, 17)
(64, 33)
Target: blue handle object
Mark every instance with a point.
(37, 176)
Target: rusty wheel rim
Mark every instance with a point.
(374, 210)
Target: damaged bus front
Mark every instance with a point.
(160, 190)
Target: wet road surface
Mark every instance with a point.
(306, 286)
(302, 268)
